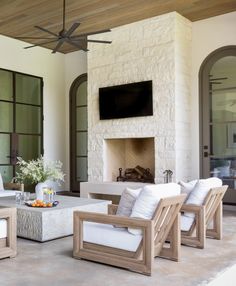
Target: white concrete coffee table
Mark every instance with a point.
(42, 224)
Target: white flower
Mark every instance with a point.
(40, 170)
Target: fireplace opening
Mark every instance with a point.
(132, 159)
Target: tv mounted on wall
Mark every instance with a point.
(127, 100)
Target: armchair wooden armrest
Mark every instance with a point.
(8, 244)
(191, 208)
(80, 217)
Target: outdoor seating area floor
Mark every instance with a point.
(52, 263)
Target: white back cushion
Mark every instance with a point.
(1, 183)
(127, 201)
(148, 200)
(186, 188)
(200, 191)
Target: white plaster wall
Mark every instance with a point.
(58, 72)
(75, 65)
(140, 51)
(207, 36)
(40, 62)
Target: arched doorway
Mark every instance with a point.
(218, 118)
(78, 132)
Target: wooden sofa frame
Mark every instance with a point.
(209, 212)
(166, 221)
(8, 245)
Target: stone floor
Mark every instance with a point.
(51, 263)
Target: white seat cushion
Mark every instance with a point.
(7, 193)
(107, 235)
(3, 228)
(186, 222)
(1, 183)
(148, 200)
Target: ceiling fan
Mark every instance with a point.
(79, 41)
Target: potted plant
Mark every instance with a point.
(38, 171)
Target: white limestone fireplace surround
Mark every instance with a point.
(157, 49)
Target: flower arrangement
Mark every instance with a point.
(39, 170)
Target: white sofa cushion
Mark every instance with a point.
(7, 193)
(186, 222)
(148, 200)
(1, 183)
(200, 191)
(3, 228)
(187, 187)
(127, 201)
(107, 235)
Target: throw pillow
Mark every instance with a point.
(148, 200)
(1, 183)
(127, 201)
(200, 191)
(186, 188)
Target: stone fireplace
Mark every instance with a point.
(156, 49)
(127, 153)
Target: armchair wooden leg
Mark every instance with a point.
(216, 231)
(200, 237)
(201, 229)
(173, 252)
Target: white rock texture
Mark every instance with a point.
(157, 49)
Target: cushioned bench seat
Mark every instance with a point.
(107, 235)
(3, 228)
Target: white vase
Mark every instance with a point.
(39, 190)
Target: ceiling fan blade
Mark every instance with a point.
(72, 29)
(76, 44)
(98, 41)
(59, 44)
(45, 30)
(91, 33)
(38, 38)
(39, 44)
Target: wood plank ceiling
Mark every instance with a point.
(18, 17)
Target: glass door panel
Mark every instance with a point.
(6, 85)
(7, 173)
(5, 148)
(28, 119)
(6, 117)
(82, 143)
(29, 147)
(28, 89)
(82, 169)
(81, 115)
(81, 94)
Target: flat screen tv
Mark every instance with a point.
(127, 100)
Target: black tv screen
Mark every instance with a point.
(128, 100)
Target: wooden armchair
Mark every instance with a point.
(166, 221)
(7, 232)
(207, 221)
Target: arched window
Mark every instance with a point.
(78, 132)
(218, 118)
